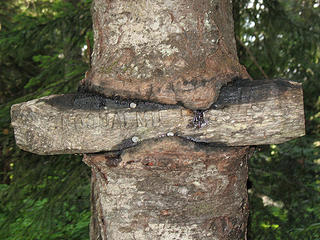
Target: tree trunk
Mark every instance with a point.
(172, 52)
(170, 188)
(167, 51)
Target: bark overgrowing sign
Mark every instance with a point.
(168, 131)
(247, 113)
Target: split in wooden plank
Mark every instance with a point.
(246, 113)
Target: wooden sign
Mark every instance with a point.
(246, 113)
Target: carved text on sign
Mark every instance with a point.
(261, 113)
(109, 120)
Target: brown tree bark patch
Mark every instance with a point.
(172, 188)
(170, 52)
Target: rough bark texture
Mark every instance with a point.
(246, 113)
(167, 51)
(169, 189)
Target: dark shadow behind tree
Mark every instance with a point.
(42, 53)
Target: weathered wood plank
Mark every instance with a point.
(246, 113)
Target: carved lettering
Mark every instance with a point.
(131, 121)
(114, 122)
(156, 119)
(262, 116)
(118, 121)
(78, 122)
(109, 120)
(141, 120)
(81, 121)
(148, 119)
(89, 121)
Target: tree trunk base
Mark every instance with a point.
(170, 188)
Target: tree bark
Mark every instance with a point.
(172, 52)
(170, 188)
(177, 52)
(167, 51)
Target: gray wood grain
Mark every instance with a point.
(246, 113)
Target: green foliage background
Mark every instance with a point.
(42, 52)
